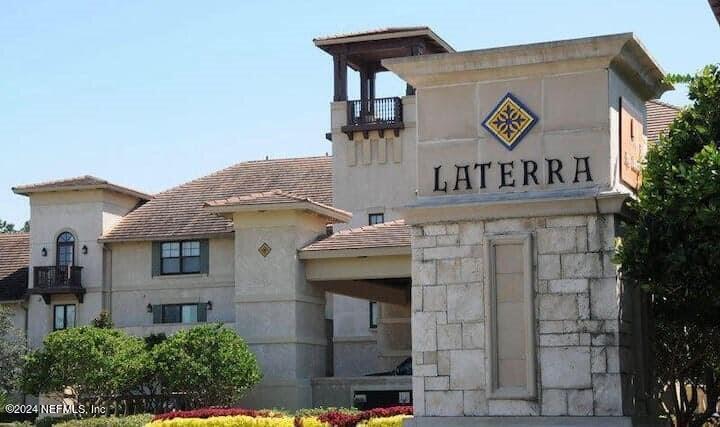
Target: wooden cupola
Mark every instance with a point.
(364, 52)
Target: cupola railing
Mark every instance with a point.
(374, 114)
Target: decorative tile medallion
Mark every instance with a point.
(264, 249)
(509, 121)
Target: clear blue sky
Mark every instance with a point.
(152, 94)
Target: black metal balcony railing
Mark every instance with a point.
(380, 110)
(374, 114)
(57, 276)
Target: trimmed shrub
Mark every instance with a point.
(316, 412)
(395, 421)
(130, 421)
(209, 364)
(70, 421)
(219, 417)
(229, 421)
(51, 421)
(217, 412)
(344, 419)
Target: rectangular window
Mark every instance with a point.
(63, 316)
(510, 325)
(190, 257)
(171, 313)
(376, 218)
(180, 257)
(373, 314)
(180, 313)
(189, 313)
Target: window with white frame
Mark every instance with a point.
(180, 257)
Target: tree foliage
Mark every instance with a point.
(210, 364)
(202, 366)
(12, 348)
(672, 250)
(8, 227)
(89, 361)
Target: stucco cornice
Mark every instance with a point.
(24, 191)
(350, 253)
(514, 205)
(623, 52)
(335, 215)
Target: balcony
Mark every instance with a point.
(378, 114)
(57, 279)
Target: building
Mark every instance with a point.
(481, 207)
(715, 7)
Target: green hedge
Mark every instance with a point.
(131, 421)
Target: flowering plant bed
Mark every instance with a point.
(217, 412)
(222, 417)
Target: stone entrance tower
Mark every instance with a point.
(525, 157)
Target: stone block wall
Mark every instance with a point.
(584, 359)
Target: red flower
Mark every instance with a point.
(334, 418)
(340, 419)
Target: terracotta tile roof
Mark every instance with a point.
(86, 182)
(14, 261)
(267, 197)
(659, 117)
(276, 199)
(385, 235)
(179, 212)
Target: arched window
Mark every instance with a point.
(65, 249)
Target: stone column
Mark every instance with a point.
(582, 333)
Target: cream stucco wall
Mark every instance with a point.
(280, 314)
(86, 214)
(354, 342)
(373, 175)
(134, 287)
(370, 175)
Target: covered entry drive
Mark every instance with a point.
(370, 263)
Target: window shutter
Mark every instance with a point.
(156, 260)
(204, 256)
(157, 313)
(202, 312)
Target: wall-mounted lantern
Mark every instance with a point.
(84, 249)
(209, 305)
(149, 308)
(43, 252)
